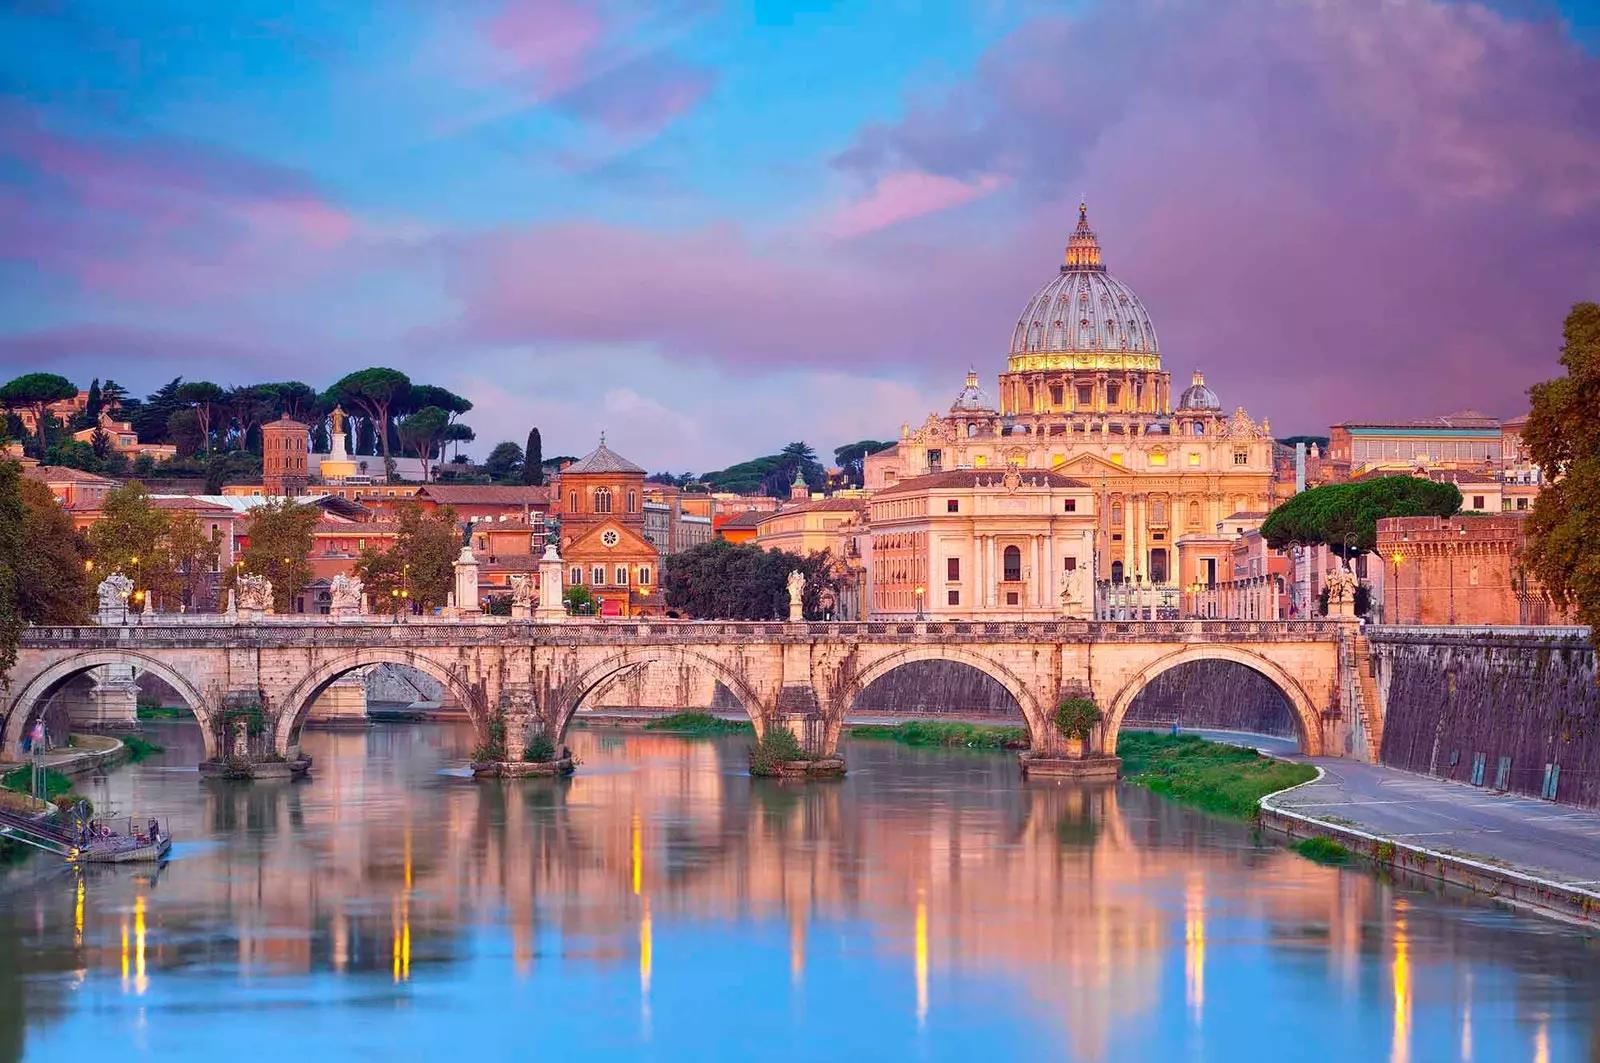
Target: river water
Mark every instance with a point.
(663, 905)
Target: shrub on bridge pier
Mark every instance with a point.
(778, 748)
(1077, 718)
(539, 750)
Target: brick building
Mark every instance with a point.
(1459, 570)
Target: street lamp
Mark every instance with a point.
(920, 592)
(1397, 559)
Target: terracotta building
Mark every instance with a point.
(285, 444)
(601, 501)
(1085, 394)
(1459, 570)
(124, 440)
(971, 543)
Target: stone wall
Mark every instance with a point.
(1219, 695)
(937, 688)
(1520, 693)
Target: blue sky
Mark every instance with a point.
(712, 228)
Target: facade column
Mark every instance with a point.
(1031, 593)
(991, 583)
(1052, 599)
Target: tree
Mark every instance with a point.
(299, 401)
(425, 395)
(852, 458)
(100, 443)
(13, 544)
(131, 537)
(1563, 439)
(194, 558)
(422, 433)
(113, 394)
(504, 461)
(374, 391)
(281, 535)
(578, 599)
(36, 391)
(94, 403)
(1344, 517)
(458, 434)
(533, 460)
(421, 563)
(719, 580)
(202, 396)
(149, 418)
(184, 431)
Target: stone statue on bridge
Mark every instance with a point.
(797, 590)
(255, 593)
(114, 592)
(1342, 584)
(348, 599)
(521, 598)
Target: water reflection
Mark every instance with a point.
(662, 901)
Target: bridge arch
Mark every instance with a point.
(36, 692)
(1032, 714)
(297, 703)
(1307, 721)
(597, 677)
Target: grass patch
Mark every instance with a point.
(140, 747)
(921, 733)
(1223, 779)
(699, 723)
(164, 712)
(20, 779)
(1323, 851)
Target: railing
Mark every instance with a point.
(437, 631)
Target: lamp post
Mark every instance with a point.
(1397, 559)
(920, 592)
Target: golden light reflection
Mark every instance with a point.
(797, 946)
(1541, 1042)
(1194, 945)
(1466, 1024)
(124, 955)
(140, 983)
(638, 857)
(341, 942)
(922, 958)
(645, 944)
(1401, 1052)
(77, 916)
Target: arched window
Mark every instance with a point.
(1158, 512)
(602, 500)
(633, 502)
(1013, 565)
(1116, 514)
(572, 502)
(1194, 513)
(1116, 572)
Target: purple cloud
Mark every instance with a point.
(640, 97)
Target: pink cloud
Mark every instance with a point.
(160, 220)
(904, 195)
(553, 38)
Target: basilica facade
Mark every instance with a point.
(1084, 394)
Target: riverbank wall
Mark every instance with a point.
(1507, 709)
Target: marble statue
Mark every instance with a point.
(521, 591)
(114, 592)
(797, 590)
(255, 593)
(347, 595)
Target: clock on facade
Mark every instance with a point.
(610, 538)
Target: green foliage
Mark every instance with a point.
(249, 711)
(533, 460)
(13, 542)
(493, 747)
(539, 750)
(163, 712)
(497, 604)
(422, 433)
(1321, 442)
(1333, 512)
(1563, 438)
(1077, 717)
(20, 780)
(851, 458)
(1323, 851)
(36, 391)
(697, 723)
(771, 475)
(281, 535)
(419, 567)
(939, 733)
(578, 599)
(778, 748)
(374, 391)
(52, 586)
(719, 580)
(139, 747)
(1226, 780)
(504, 461)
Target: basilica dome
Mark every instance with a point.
(1084, 310)
(1199, 397)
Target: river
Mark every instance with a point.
(663, 905)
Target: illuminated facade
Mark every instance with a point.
(601, 501)
(1084, 394)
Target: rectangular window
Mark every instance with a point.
(1116, 459)
(1070, 506)
(575, 577)
(644, 576)
(1522, 503)
(1477, 502)
(1070, 564)
(952, 568)
(952, 506)
(954, 598)
(1194, 460)
(1085, 396)
(1056, 394)
(1241, 458)
(980, 460)
(1113, 393)
(597, 575)
(1158, 459)
(622, 575)
(1011, 597)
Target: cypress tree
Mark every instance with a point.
(533, 460)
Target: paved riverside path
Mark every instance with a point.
(1557, 842)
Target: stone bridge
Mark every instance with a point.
(802, 676)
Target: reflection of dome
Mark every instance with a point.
(972, 397)
(1085, 309)
(1199, 397)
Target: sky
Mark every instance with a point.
(708, 229)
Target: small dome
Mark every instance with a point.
(1199, 397)
(972, 397)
